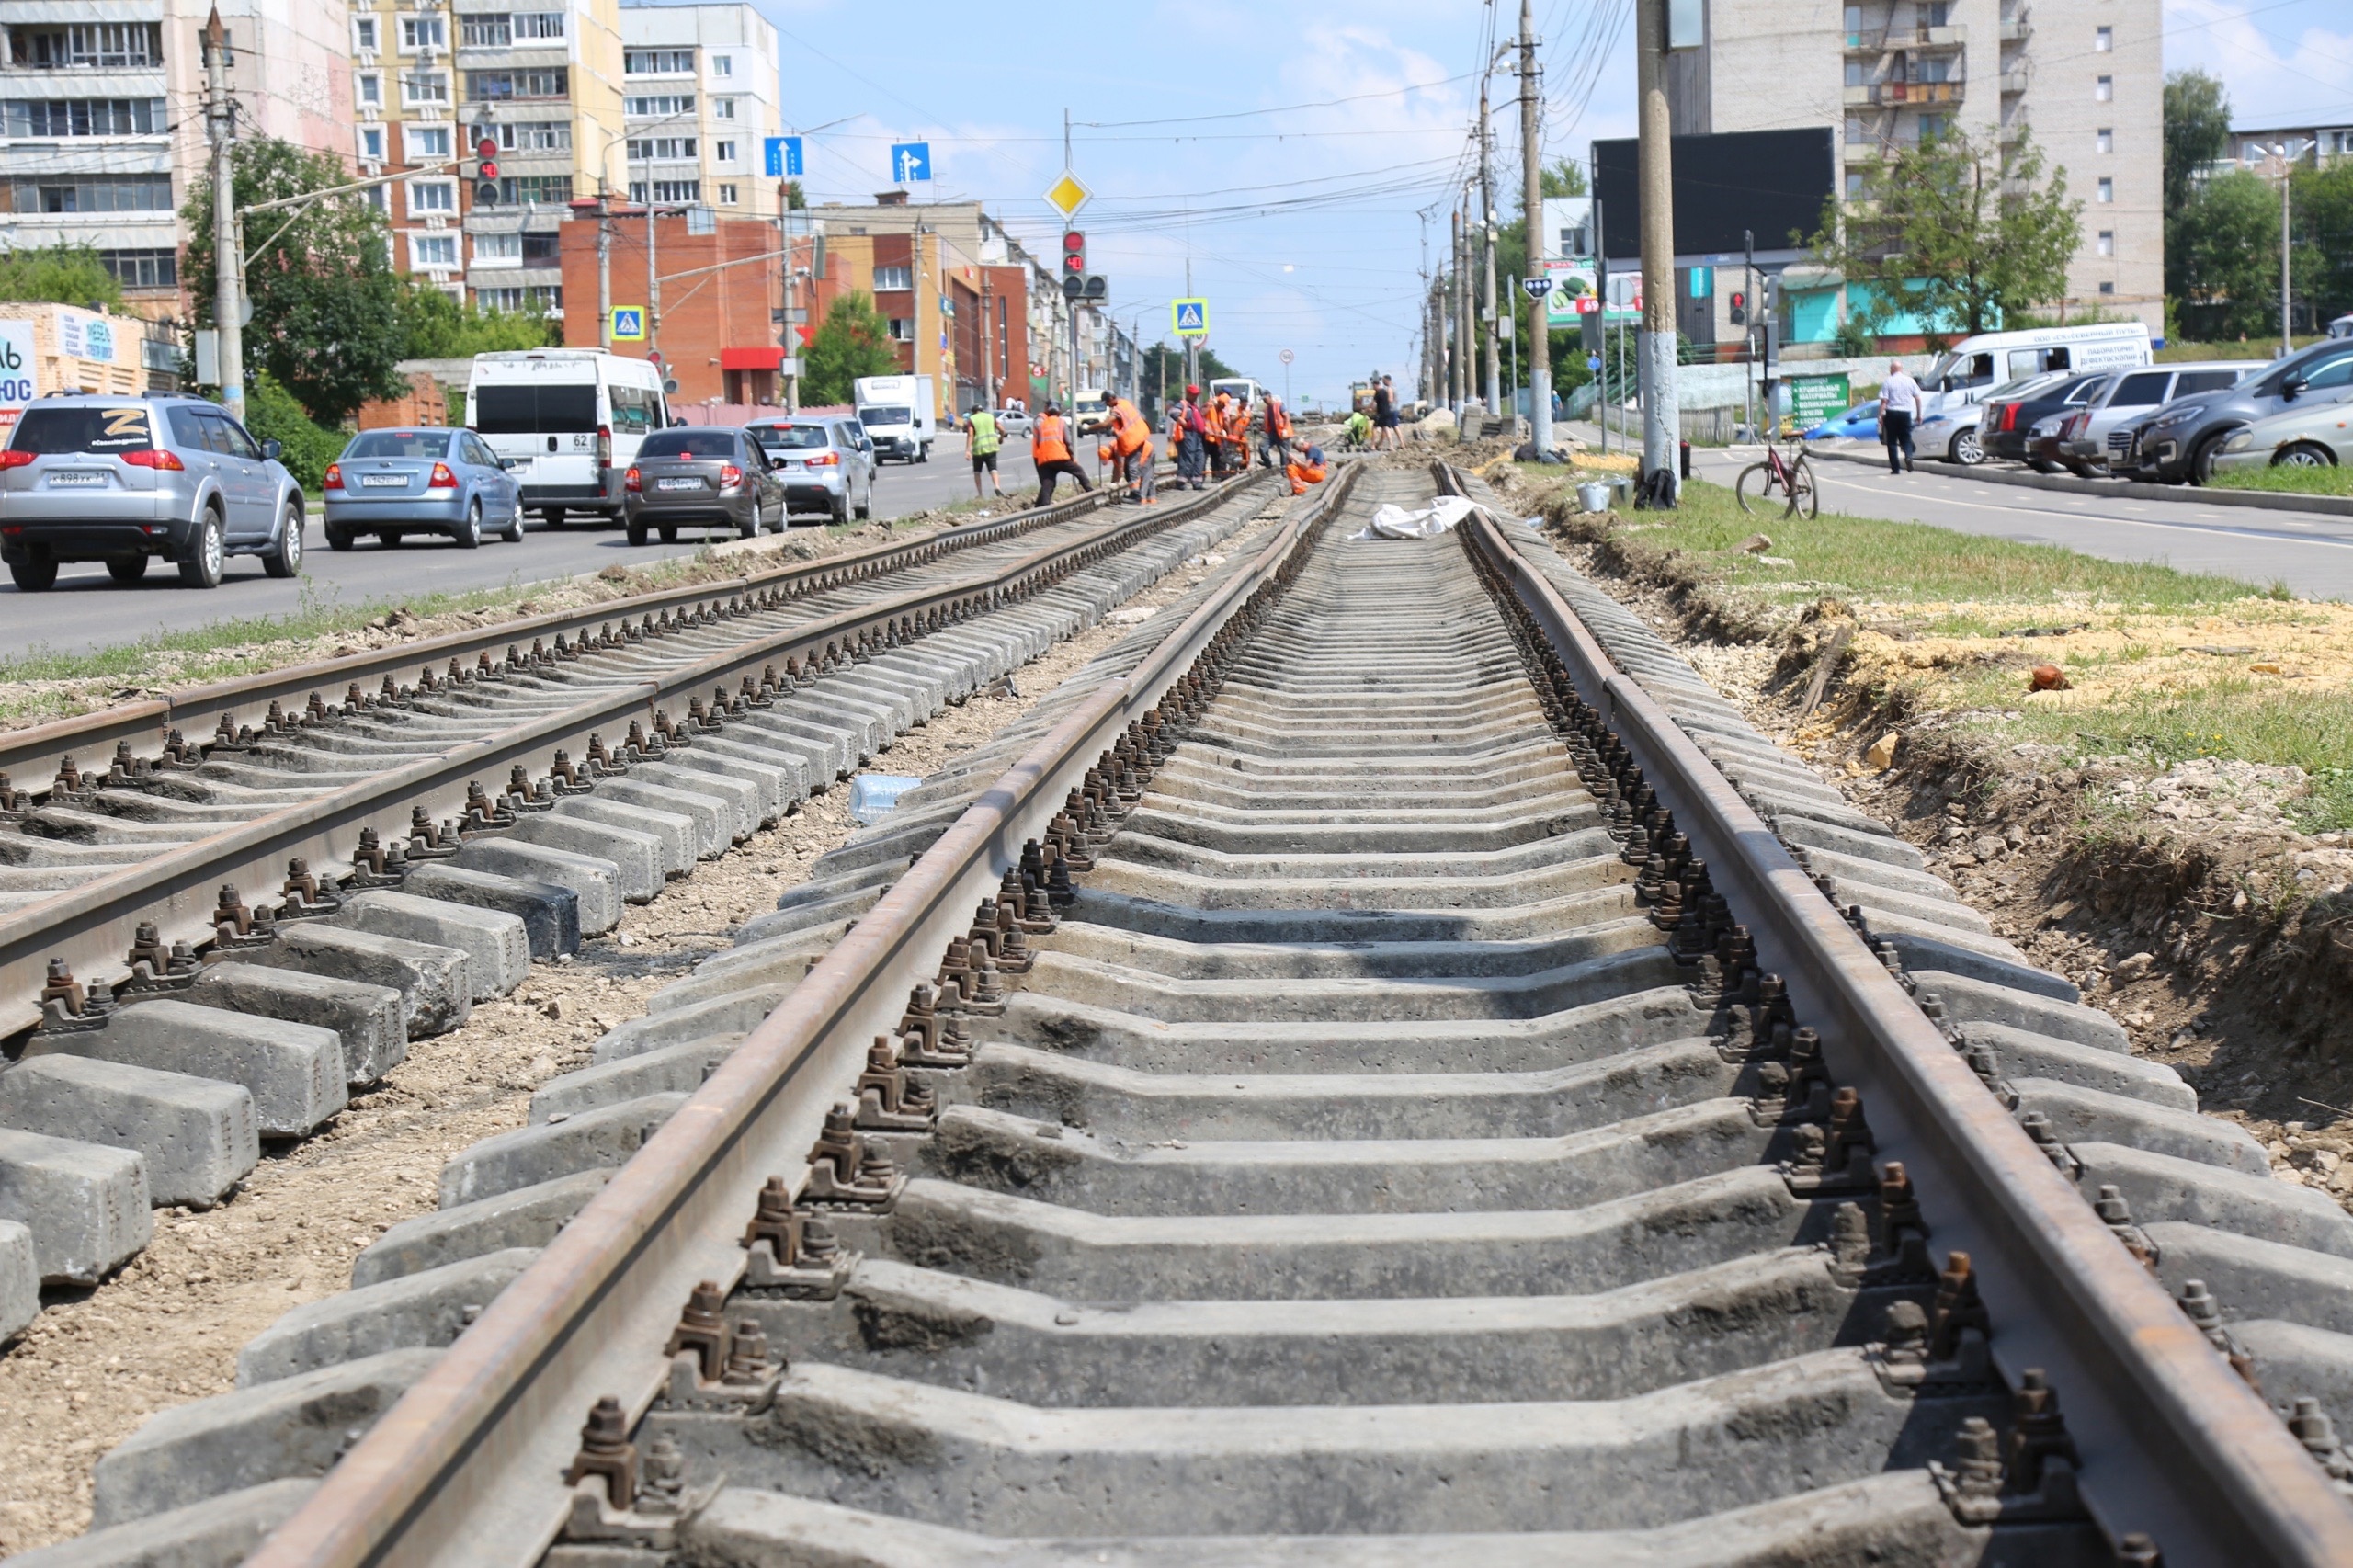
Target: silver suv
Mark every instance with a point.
(125, 479)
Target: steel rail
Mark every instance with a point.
(467, 1466)
(92, 926)
(2174, 1442)
(29, 756)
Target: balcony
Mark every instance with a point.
(1878, 41)
(2018, 28)
(2016, 82)
(1888, 95)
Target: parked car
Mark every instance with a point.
(2102, 426)
(393, 484)
(2180, 441)
(827, 464)
(2005, 426)
(1951, 431)
(1860, 422)
(712, 474)
(129, 480)
(2316, 433)
(1011, 422)
(571, 418)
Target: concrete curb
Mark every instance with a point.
(2130, 489)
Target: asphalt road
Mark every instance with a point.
(86, 609)
(2311, 552)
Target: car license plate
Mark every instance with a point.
(688, 483)
(78, 476)
(383, 481)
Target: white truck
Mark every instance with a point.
(900, 412)
(570, 418)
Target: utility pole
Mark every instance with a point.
(1192, 345)
(1454, 377)
(1661, 425)
(1487, 245)
(1467, 304)
(1601, 324)
(228, 249)
(604, 274)
(1539, 313)
(652, 282)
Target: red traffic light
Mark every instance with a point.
(1074, 252)
(1739, 300)
(487, 147)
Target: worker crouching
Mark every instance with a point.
(1305, 468)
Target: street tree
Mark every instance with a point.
(854, 341)
(2223, 257)
(58, 275)
(435, 326)
(1955, 234)
(2323, 209)
(1561, 178)
(327, 316)
(2197, 131)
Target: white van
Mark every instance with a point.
(900, 412)
(571, 418)
(1963, 374)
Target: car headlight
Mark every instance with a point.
(2240, 441)
(2177, 416)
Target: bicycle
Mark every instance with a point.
(1791, 478)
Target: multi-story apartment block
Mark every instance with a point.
(699, 101)
(2086, 76)
(102, 132)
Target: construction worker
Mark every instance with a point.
(1308, 468)
(1132, 447)
(1237, 436)
(982, 439)
(1049, 449)
(1359, 430)
(1189, 439)
(1275, 440)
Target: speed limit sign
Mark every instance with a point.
(1286, 356)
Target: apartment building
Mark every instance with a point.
(2318, 144)
(2086, 76)
(102, 132)
(699, 103)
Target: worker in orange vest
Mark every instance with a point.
(1049, 449)
(1214, 421)
(1306, 469)
(1132, 442)
(1237, 437)
(1188, 439)
(1275, 446)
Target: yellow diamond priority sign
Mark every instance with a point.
(1067, 195)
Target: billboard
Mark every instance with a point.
(1769, 183)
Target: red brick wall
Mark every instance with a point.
(424, 402)
(700, 315)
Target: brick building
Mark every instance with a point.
(721, 291)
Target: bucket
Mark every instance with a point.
(1594, 495)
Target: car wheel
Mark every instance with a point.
(866, 504)
(340, 539)
(2305, 454)
(205, 556)
(636, 531)
(1966, 450)
(468, 534)
(34, 577)
(553, 516)
(513, 532)
(670, 533)
(749, 526)
(285, 558)
(2201, 461)
(2045, 465)
(2086, 471)
(838, 512)
(126, 569)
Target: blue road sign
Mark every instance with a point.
(1190, 318)
(784, 158)
(629, 323)
(1703, 282)
(910, 161)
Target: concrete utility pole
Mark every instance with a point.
(1661, 426)
(1470, 307)
(228, 257)
(1454, 379)
(1539, 313)
(1487, 245)
(604, 275)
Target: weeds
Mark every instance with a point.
(2287, 480)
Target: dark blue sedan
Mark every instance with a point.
(392, 483)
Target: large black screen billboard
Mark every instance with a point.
(1767, 182)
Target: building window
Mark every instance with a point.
(509, 300)
(666, 191)
(363, 33)
(498, 86)
(2103, 41)
(371, 142)
(2107, 243)
(661, 104)
(93, 193)
(369, 86)
(142, 268)
(2105, 91)
(1858, 73)
(653, 149)
(1939, 12)
(490, 30)
(658, 61)
(374, 197)
(722, 109)
(890, 278)
(86, 117)
(547, 190)
(2107, 141)
(1933, 125)
(1854, 184)
(724, 152)
(727, 196)
(902, 329)
(433, 196)
(94, 46)
(722, 66)
(425, 87)
(2108, 287)
(2107, 190)
(432, 253)
(498, 247)
(424, 32)
(426, 143)
(1857, 133)
(535, 136)
(538, 24)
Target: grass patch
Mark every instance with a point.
(2287, 480)
(2252, 348)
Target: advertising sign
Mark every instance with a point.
(1814, 399)
(16, 388)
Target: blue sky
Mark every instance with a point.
(1299, 204)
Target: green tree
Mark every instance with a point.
(1212, 368)
(2323, 211)
(435, 326)
(327, 317)
(795, 199)
(2223, 261)
(2197, 130)
(58, 275)
(1955, 234)
(854, 341)
(272, 415)
(1560, 178)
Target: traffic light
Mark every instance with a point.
(1739, 308)
(1073, 254)
(485, 139)
(486, 149)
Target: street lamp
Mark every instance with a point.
(2279, 159)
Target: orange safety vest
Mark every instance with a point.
(1047, 443)
(1237, 425)
(1129, 431)
(1278, 422)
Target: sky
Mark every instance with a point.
(1298, 163)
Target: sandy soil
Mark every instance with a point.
(167, 1328)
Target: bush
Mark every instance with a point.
(272, 415)
(61, 275)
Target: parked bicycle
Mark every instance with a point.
(1788, 480)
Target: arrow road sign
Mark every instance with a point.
(1190, 318)
(910, 161)
(1537, 287)
(783, 157)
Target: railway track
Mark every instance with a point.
(1384, 1066)
(223, 941)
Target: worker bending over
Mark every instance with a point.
(1049, 449)
(1237, 435)
(1189, 439)
(1275, 440)
(1308, 468)
(1132, 447)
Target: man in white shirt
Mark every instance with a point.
(1899, 410)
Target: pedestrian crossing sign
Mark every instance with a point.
(1190, 318)
(629, 323)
